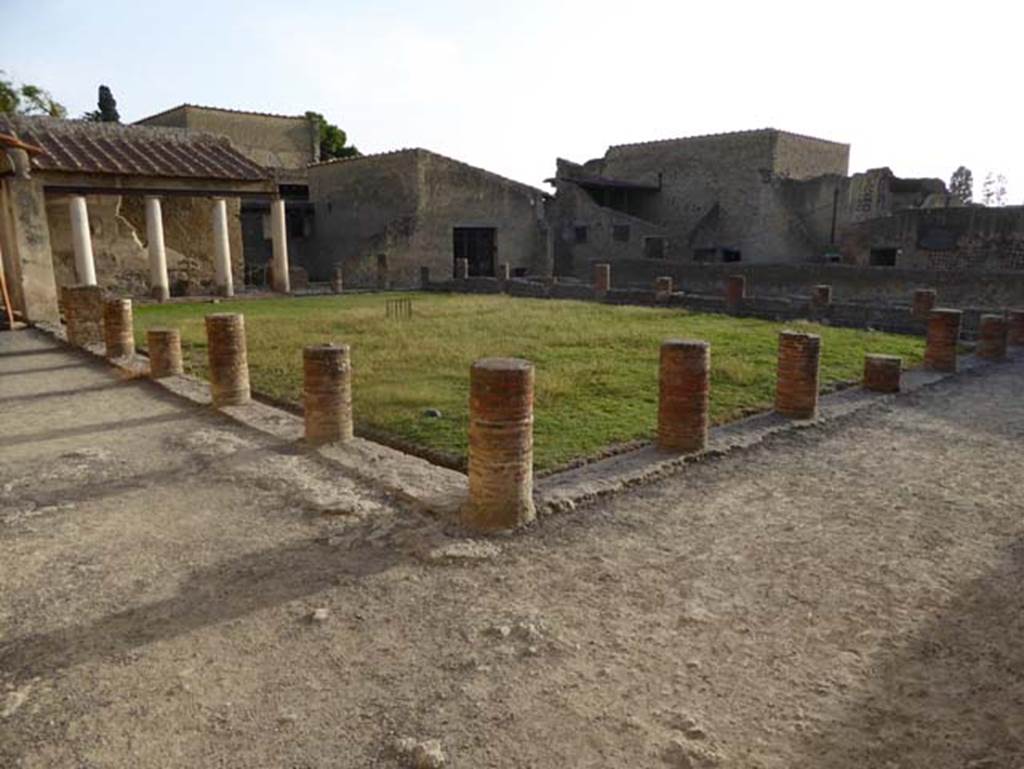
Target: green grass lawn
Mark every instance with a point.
(597, 379)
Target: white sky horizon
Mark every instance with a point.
(920, 88)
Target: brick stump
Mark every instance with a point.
(942, 338)
(164, 352)
(118, 334)
(500, 444)
(882, 373)
(229, 365)
(602, 279)
(337, 280)
(796, 391)
(461, 269)
(923, 302)
(683, 384)
(735, 291)
(327, 392)
(992, 337)
(662, 288)
(84, 314)
(821, 297)
(1015, 327)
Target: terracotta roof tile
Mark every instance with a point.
(105, 148)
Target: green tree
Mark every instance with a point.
(107, 112)
(961, 184)
(332, 139)
(26, 99)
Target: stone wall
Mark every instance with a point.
(275, 141)
(118, 228)
(966, 239)
(957, 288)
(404, 205)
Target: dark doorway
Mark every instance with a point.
(478, 245)
(731, 255)
(883, 257)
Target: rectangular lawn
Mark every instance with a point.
(597, 379)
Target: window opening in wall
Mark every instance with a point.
(478, 245)
(883, 257)
(654, 247)
(731, 255)
(620, 232)
(580, 234)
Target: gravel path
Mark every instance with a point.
(176, 591)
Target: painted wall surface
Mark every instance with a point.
(118, 225)
(25, 241)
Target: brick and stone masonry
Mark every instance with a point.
(229, 365)
(84, 314)
(461, 269)
(1015, 327)
(796, 391)
(663, 288)
(164, 352)
(684, 374)
(992, 337)
(118, 333)
(735, 290)
(602, 279)
(882, 373)
(822, 296)
(923, 302)
(327, 392)
(500, 444)
(942, 338)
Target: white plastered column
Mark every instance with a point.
(222, 249)
(159, 285)
(81, 241)
(279, 236)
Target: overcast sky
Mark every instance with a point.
(921, 87)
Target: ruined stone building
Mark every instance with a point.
(77, 198)
(282, 144)
(398, 211)
(765, 196)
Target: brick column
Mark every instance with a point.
(943, 335)
(159, 286)
(118, 334)
(602, 279)
(796, 391)
(735, 291)
(327, 392)
(337, 280)
(280, 280)
(882, 373)
(662, 288)
(821, 296)
(164, 352)
(81, 240)
(461, 269)
(992, 337)
(84, 314)
(500, 444)
(1015, 327)
(683, 383)
(229, 365)
(923, 303)
(222, 249)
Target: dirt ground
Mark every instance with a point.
(176, 591)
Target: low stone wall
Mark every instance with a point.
(849, 282)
